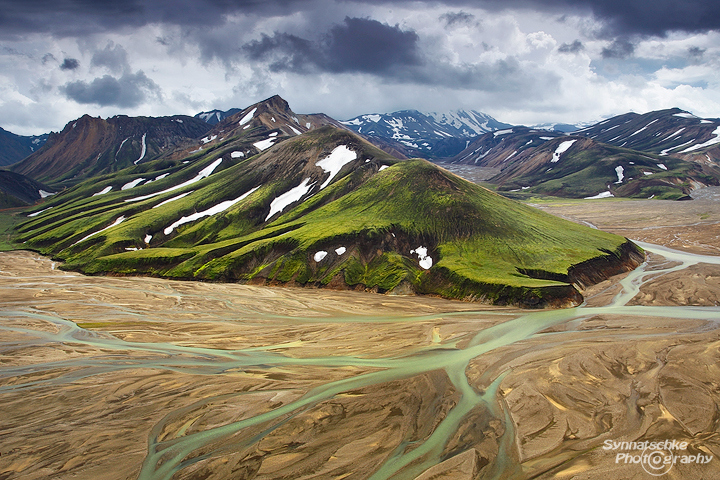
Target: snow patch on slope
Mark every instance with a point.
(425, 261)
(103, 191)
(292, 195)
(562, 148)
(502, 132)
(182, 195)
(132, 184)
(248, 117)
(264, 144)
(333, 163)
(143, 151)
(118, 221)
(205, 172)
(620, 174)
(600, 195)
(220, 207)
(712, 141)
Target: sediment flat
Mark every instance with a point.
(106, 377)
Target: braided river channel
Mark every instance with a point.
(108, 377)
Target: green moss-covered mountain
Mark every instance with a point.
(325, 208)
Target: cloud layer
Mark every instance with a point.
(523, 61)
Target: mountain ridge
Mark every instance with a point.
(91, 146)
(427, 135)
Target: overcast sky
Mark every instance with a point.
(521, 61)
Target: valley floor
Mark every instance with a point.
(119, 378)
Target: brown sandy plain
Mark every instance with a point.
(125, 378)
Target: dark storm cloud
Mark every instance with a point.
(357, 45)
(573, 47)
(370, 47)
(113, 57)
(451, 19)
(696, 53)
(620, 49)
(70, 64)
(286, 53)
(78, 17)
(130, 90)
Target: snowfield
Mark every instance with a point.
(292, 195)
(333, 163)
(248, 117)
(220, 207)
(502, 132)
(425, 261)
(562, 148)
(620, 174)
(38, 213)
(204, 173)
(144, 150)
(132, 184)
(600, 195)
(264, 144)
(173, 199)
(103, 191)
(712, 141)
(118, 221)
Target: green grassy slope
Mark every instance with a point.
(370, 221)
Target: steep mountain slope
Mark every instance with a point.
(93, 146)
(578, 167)
(431, 135)
(325, 208)
(664, 132)
(18, 190)
(14, 148)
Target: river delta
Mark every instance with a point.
(131, 377)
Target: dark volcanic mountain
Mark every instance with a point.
(579, 167)
(321, 208)
(18, 190)
(431, 135)
(262, 125)
(14, 148)
(92, 146)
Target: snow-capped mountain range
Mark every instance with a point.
(433, 134)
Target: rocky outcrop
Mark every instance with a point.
(627, 258)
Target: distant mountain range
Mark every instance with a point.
(213, 117)
(14, 148)
(532, 161)
(19, 191)
(425, 135)
(663, 132)
(281, 198)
